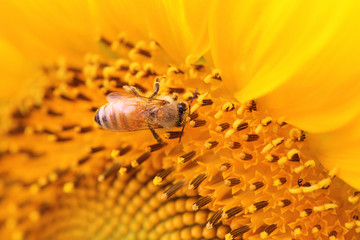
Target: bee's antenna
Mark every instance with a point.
(182, 130)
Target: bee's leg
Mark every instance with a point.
(156, 87)
(128, 88)
(156, 136)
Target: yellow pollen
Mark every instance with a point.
(353, 199)
(114, 154)
(309, 163)
(228, 237)
(264, 235)
(68, 187)
(157, 180)
(229, 133)
(218, 114)
(122, 171)
(282, 160)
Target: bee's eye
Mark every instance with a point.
(182, 108)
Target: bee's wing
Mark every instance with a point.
(138, 110)
(117, 96)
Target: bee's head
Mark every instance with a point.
(182, 110)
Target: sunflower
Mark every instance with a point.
(269, 149)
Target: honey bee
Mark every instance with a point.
(128, 111)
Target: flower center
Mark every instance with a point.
(237, 171)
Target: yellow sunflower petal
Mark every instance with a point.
(18, 80)
(180, 27)
(45, 31)
(303, 53)
(340, 149)
(114, 17)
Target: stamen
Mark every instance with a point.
(354, 198)
(228, 106)
(224, 167)
(172, 190)
(218, 114)
(268, 230)
(245, 156)
(53, 113)
(222, 127)
(186, 157)
(206, 102)
(279, 181)
(203, 201)
(76, 81)
(176, 90)
(229, 133)
(83, 97)
(125, 150)
(66, 98)
(84, 129)
(267, 148)
(256, 206)
(155, 147)
(316, 228)
(299, 169)
(140, 159)
(284, 203)
(266, 121)
(68, 127)
(234, 145)
(105, 41)
(83, 160)
(214, 219)
(293, 155)
(63, 139)
(160, 177)
(97, 149)
(297, 231)
(237, 232)
(194, 115)
(174, 70)
(250, 137)
(172, 134)
(232, 212)
(278, 141)
(332, 172)
(197, 181)
(259, 128)
(74, 69)
(242, 126)
(281, 122)
(252, 106)
(282, 160)
(197, 123)
(110, 171)
(332, 235)
(232, 182)
(211, 144)
(272, 158)
(327, 206)
(309, 163)
(17, 130)
(256, 185)
(306, 212)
